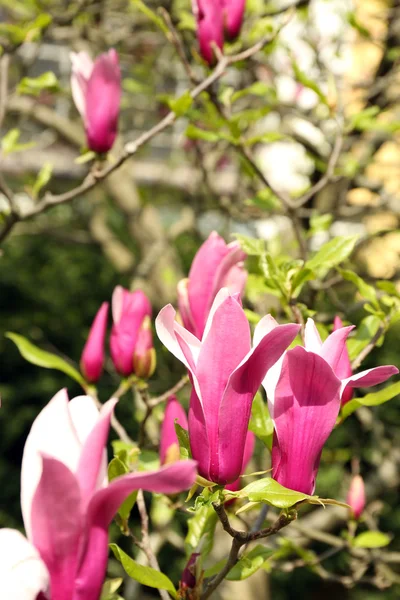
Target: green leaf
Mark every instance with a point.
(201, 528)
(373, 399)
(249, 563)
(320, 222)
(252, 247)
(183, 439)
(116, 468)
(140, 5)
(371, 539)
(271, 492)
(109, 589)
(9, 142)
(364, 333)
(354, 22)
(332, 254)
(41, 358)
(195, 133)
(367, 291)
(259, 88)
(144, 575)
(261, 423)
(299, 279)
(42, 179)
(33, 86)
(308, 83)
(181, 105)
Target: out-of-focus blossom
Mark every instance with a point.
(144, 356)
(217, 20)
(343, 368)
(92, 358)
(356, 498)
(215, 265)
(129, 310)
(190, 578)
(67, 503)
(96, 90)
(169, 445)
(226, 372)
(304, 395)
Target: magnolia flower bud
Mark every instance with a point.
(356, 496)
(144, 356)
(93, 353)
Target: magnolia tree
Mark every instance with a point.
(272, 147)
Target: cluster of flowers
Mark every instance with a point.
(96, 86)
(67, 502)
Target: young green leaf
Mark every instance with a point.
(332, 254)
(183, 439)
(201, 527)
(372, 399)
(47, 360)
(144, 575)
(371, 539)
(33, 86)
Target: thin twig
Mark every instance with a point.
(145, 543)
(174, 390)
(368, 348)
(176, 41)
(241, 538)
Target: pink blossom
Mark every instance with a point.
(93, 353)
(304, 390)
(356, 498)
(226, 372)
(67, 503)
(215, 265)
(96, 90)
(129, 310)
(343, 369)
(169, 445)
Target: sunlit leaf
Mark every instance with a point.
(371, 539)
(201, 527)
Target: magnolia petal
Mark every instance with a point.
(93, 461)
(184, 306)
(170, 479)
(248, 453)
(23, 574)
(225, 346)
(233, 17)
(307, 402)
(57, 525)
(117, 303)
(334, 347)
(228, 271)
(93, 352)
(235, 407)
(82, 66)
(198, 435)
(210, 27)
(219, 299)
(312, 339)
(54, 434)
(166, 331)
(270, 382)
(264, 326)
(369, 377)
(174, 412)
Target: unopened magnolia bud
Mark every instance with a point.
(144, 356)
(191, 580)
(92, 358)
(356, 496)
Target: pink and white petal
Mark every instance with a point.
(236, 279)
(198, 435)
(174, 412)
(312, 339)
(248, 453)
(202, 274)
(234, 412)
(92, 466)
(23, 574)
(84, 414)
(307, 402)
(219, 299)
(234, 255)
(334, 347)
(224, 348)
(270, 382)
(82, 66)
(117, 303)
(166, 330)
(58, 526)
(54, 434)
(184, 306)
(369, 377)
(264, 326)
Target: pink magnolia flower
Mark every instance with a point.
(356, 498)
(93, 353)
(129, 310)
(304, 392)
(215, 265)
(248, 453)
(343, 369)
(210, 27)
(233, 11)
(226, 372)
(67, 503)
(144, 356)
(169, 445)
(96, 90)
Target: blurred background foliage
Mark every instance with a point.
(330, 79)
